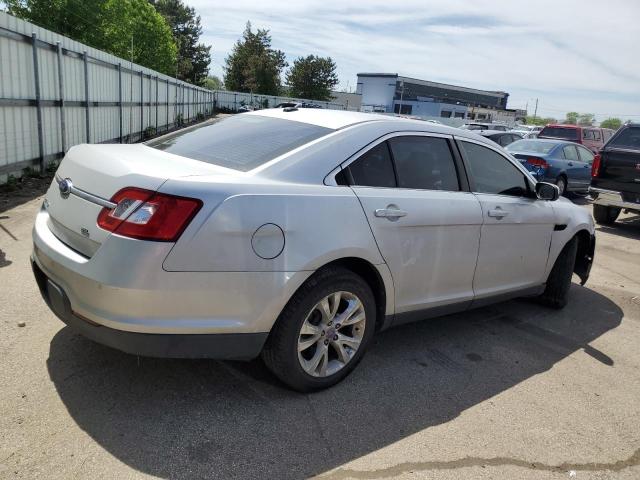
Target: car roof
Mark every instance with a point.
(486, 133)
(574, 127)
(338, 119)
(549, 140)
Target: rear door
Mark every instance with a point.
(574, 167)
(583, 174)
(426, 225)
(516, 228)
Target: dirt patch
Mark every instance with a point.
(23, 189)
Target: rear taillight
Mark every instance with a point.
(537, 162)
(148, 215)
(595, 166)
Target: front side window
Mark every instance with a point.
(588, 135)
(490, 172)
(373, 169)
(424, 163)
(596, 135)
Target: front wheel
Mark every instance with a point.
(323, 331)
(556, 292)
(605, 215)
(561, 183)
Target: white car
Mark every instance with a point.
(296, 234)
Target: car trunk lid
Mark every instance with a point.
(90, 175)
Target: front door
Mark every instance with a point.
(516, 228)
(426, 228)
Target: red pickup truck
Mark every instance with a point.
(593, 138)
(615, 176)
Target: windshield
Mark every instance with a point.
(532, 146)
(241, 142)
(560, 132)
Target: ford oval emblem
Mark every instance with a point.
(65, 187)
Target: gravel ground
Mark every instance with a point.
(510, 391)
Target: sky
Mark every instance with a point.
(571, 55)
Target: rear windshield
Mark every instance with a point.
(242, 142)
(531, 146)
(627, 138)
(559, 132)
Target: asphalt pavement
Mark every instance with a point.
(513, 391)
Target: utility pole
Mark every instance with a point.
(535, 112)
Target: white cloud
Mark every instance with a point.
(572, 55)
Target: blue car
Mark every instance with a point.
(567, 164)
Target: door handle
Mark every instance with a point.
(391, 212)
(497, 213)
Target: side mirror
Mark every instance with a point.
(547, 191)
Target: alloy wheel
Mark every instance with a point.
(331, 334)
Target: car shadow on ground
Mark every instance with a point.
(627, 226)
(208, 419)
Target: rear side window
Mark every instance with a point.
(627, 138)
(373, 169)
(493, 173)
(242, 142)
(560, 132)
(570, 152)
(585, 155)
(424, 163)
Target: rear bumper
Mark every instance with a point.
(611, 198)
(238, 346)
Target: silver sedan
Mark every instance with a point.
(296, 234)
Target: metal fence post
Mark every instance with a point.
(235, 101)
(63, 133)
(141, 104)
(36, 74)
(149, 99)
(157, 101)
(86, 96)
(120, 98)
(167, 125)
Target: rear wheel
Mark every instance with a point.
(556, 292)
(561, 183)
(605, 215)
(323, 331)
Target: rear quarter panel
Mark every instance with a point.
(320, 224)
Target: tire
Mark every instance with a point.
(280, 353)
(561, 183)
(556, 292)
(605, 215)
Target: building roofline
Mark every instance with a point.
(367, 74)
(496, 93)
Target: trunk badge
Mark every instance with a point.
(65, 187)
